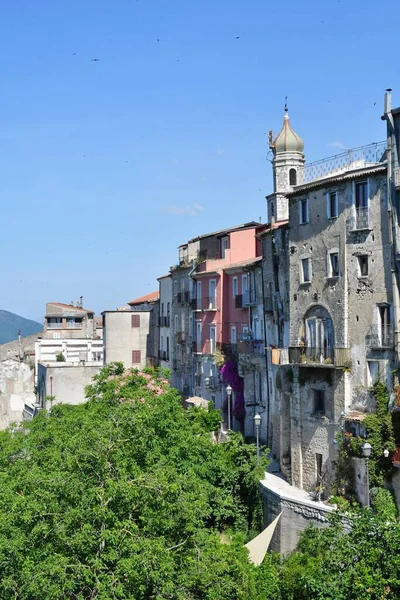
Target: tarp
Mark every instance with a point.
(259, 545)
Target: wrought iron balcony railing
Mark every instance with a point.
(306, 355)
(380, 336)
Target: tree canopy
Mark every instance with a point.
(126, 496)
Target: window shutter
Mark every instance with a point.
(135, 319)
(135, 357)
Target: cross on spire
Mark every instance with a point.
(286, 108)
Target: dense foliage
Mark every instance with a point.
(357, 557)
(127, 496)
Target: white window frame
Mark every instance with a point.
(302, 279)
(328, 205)
(360, 275)
(212, 297)
(371, 379)
(233, 335)
(300, 207)
(354, 185)
(330, 274)
(198, 294)
(213, 339)
(235, 286)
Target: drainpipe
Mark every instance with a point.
(392, 220)
(266, 345)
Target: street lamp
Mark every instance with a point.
(207, 382)
(228, 390)
(366, 450)
(257, 422)
(386, 453)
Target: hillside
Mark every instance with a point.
(10, 324)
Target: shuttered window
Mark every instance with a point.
(135, 357)
(135, 320)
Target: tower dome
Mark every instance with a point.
(287, 140)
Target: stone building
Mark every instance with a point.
(165, 292)
(328, 299)
(68, 321)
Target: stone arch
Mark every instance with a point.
(317, 331)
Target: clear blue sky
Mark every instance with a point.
(107, 166)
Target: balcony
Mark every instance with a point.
(211, 383)
(51, 325)
(74, 324)
(180, 337)
(380, 336)
(306, 356)
(361, 219)
(209, 303)
(250, 298)
(164, 321)
(206, 347)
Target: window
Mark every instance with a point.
(73, 323)
(213, 338)
(361, 205)
(224, 246)
(385, 328)
(333, 265)
(373, 372)
(292, 177)
(176, 324)
(198, 295)
(332, 205)
(167, 348)
(233, 334)
(135, 321)
(319, 402)
(363, 265)
(272, 210)
(135, 357)
(54, 323)
(212, 289)
(235, 287)
(303, 211)
(306, 270)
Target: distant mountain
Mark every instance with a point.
(10, 324)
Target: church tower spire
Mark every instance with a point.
(288, 168)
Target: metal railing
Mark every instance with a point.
(74, 324)
(354, 158)
(204, 347)
(306, 355)
(250, 298)
(54, 325)
(380, 336)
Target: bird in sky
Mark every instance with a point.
(95, 59)
(237, 37)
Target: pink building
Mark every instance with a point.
(223, 291)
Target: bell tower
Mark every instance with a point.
(288, 169)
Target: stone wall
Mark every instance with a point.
(66, 382)
(298, 512)
(16, 388)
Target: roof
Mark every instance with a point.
(152, 297)
(337, 178)
(243, 263)
(355, 415)
(272, 227)
(70, 306)
(163, 276)
(287, 140)
(230, 267)
(222, 232)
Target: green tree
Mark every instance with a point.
(127, 496)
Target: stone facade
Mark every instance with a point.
(126, 337)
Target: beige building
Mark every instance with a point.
(68, 321)
(131, 336)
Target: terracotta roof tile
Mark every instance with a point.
(152, 297)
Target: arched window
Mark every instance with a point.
(317, 335)
(272, 207)
(292, 177)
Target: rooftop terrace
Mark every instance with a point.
(354, 158)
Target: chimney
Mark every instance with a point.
(388, 102)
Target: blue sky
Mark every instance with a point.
(107, 166)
